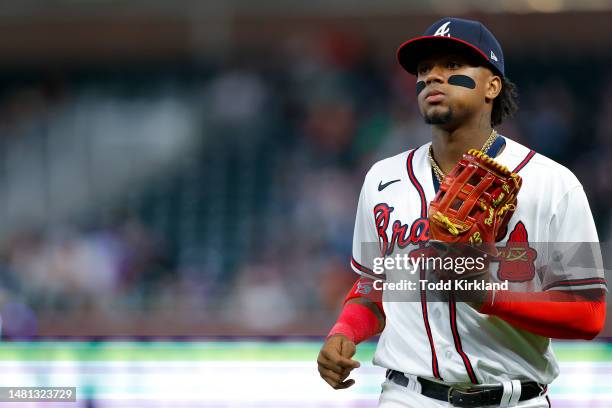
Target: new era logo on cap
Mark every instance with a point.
(467, 36)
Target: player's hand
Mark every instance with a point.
(335, 363)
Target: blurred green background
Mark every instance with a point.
(278, 373)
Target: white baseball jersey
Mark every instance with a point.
(451, 341)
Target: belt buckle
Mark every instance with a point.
(464, 398)
(448, 395)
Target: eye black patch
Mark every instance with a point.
(419, 87)
(461, 80)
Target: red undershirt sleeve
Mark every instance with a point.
(554, 314)
(357, 321)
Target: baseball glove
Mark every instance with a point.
(474, 204)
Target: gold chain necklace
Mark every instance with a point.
(438, 171)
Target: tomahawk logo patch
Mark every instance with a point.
(516, 259)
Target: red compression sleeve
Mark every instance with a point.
(364, 289)
(555, 314)
(357, 322)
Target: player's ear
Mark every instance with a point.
(493, 87)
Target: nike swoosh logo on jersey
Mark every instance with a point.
(382, 186)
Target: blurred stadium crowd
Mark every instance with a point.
(220, 198)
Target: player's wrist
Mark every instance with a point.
(357, 322)
(342, 329)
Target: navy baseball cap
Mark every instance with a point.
(456, 34)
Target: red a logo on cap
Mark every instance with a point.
(443, 30)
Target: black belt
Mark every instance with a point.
(471, 397)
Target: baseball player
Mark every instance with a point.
(495, 351)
